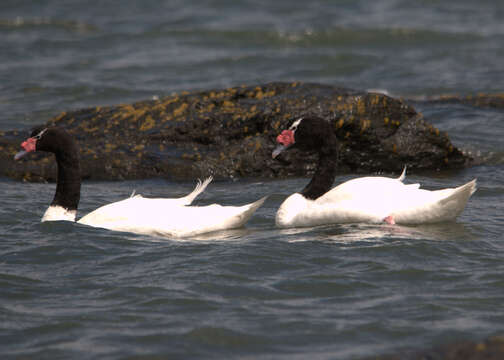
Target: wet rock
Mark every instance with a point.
(231, 133)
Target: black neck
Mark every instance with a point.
(325, 173)
(69, 182)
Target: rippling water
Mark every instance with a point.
(343, 291)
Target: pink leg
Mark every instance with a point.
(389, 220)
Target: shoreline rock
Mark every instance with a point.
(231, 132)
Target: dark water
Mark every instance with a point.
(332, 292)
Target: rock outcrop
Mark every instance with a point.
(231, 133)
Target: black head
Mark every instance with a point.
(313, 134)
(51, 139)
(306, 134)
(58, 141)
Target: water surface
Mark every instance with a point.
(341, 291)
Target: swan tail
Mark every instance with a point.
(225, 217)
(474, 186)
(214, 217)
(200, 187)
(403, 174)
(456, 202)
(446, 205)
(461, 194)
(247, 211)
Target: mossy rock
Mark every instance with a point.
(231, 133)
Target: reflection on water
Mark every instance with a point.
(376, 233)
(224, 235)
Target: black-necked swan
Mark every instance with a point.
(162, 217)
(360, 200)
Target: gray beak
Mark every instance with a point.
(279, 149)
(20, 154)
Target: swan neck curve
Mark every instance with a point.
(68, 184)
(324, 175)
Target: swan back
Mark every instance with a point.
(158, 217)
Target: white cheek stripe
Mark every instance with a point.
(39, 135)
(295, 124)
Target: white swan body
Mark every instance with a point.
(161, 217)
(165, 217)
(375, 200)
